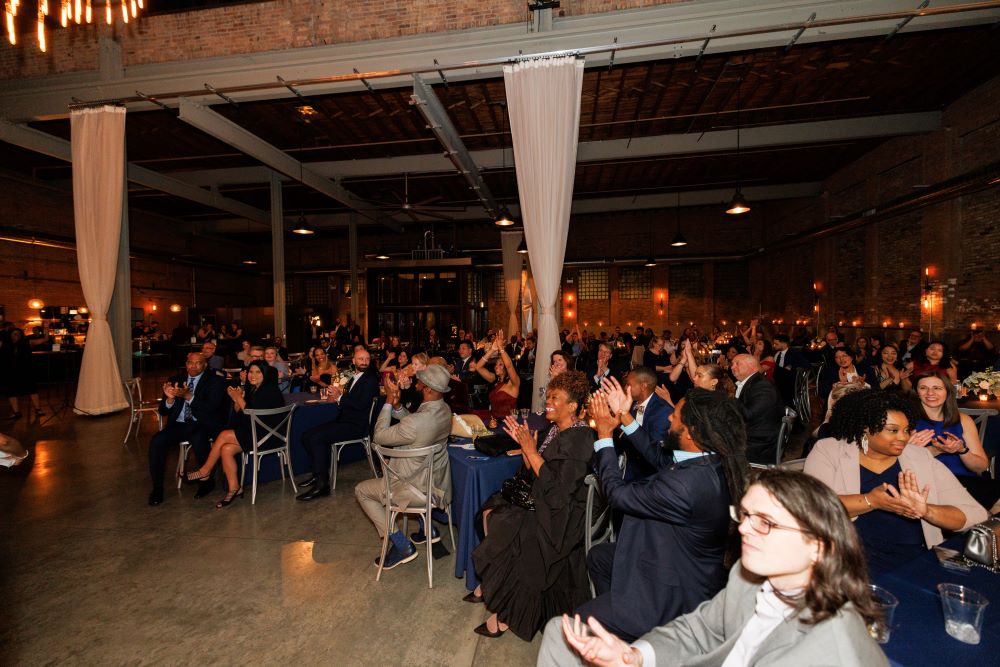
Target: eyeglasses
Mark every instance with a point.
(758, 522)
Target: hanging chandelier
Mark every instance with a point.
(70, 11)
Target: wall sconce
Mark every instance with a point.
(723, 323)
(36, 303)
(840, 323)
(600, 324)
(855, 323)
(569, 313)
(153, 308)
(902, 324)
(629, 325)
(175, 308)
(885, 324)
(973, 326)
(640, 324)
(83, 310)
(569, 298)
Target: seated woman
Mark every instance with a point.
(505, 380)
(935, 359)
(262, 394)
(954, 438)
(657, 359)
(531, 562)
(889, 370)
(244, 354)
(862, 351)
(559, 362)
(900, 497)
(763, 352)
(323, 370)
(710, 377)
(277, 363)
(799, 594)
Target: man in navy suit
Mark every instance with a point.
(196, 407)
(787, 361)
(670, 552)
(352, 422)
(652, 414)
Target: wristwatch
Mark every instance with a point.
(964, 451)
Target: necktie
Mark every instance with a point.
(639, 410)
(187, 404)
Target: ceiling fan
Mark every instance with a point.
(420, 208)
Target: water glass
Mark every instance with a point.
(963, 612)
(312, 389)
(886, 603)
(524, 414)
(323, 393)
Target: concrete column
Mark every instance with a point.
(352, 244)
(120, 308)
(278, 254)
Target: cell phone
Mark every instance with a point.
(952, 560)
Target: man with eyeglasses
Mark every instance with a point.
(679, 513)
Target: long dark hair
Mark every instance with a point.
(841, 573)
(269, 372)
(949, 411)
(725, 385)
(945, 355)
(898, 364)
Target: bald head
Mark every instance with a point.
(744, 365)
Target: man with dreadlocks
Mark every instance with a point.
(670, 555)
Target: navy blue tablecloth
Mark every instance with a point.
(918, 636)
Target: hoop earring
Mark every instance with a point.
(864, 444)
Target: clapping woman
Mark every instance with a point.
(504, 377)
(262, 393)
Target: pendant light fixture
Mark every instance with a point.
(381, 254)
(522, 247)
(302, 226)
(738, 205)
(504, 218)
(679, 240)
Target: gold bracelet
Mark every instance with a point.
(868, 502)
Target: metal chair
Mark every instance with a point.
(981, 416)
(597, 529)
(138, 407)
(279, 446)
(637, 355)
(784, 434)
(419, 482)
(794, 464)
(800, 394)
(365, 441)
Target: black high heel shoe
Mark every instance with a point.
(230, 497)
(188, 479)
(484, 630)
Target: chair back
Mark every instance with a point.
(981, 416)
(372, 416)
(597, 526)
(784, 433)
(133, 389)
(637, 354)
(281, 433)
(800, 394)
(413, 476)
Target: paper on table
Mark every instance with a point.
(463, 445)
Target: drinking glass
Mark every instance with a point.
(323, 392)
(312, 389)
(886, 603)
(963, 612)
(524, 414)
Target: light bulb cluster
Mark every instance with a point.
(70, 11)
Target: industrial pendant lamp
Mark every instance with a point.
(381, 254)
(302, 226)
(504, 218)
(679, 240)
(738, 205)
(522, 247)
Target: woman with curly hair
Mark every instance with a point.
(531, 562)
(901, 498)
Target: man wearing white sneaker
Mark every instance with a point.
(429, 425)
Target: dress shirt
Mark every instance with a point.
(192, 383)
(740, 383)
(608, 442)
(768, 614)
(680, 456)
(640, 413)
(779, 359)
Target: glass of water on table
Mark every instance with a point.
(963, 612)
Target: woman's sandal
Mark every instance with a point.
(188, 479)
(230, 497)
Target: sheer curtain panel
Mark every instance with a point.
(98, 145)
(512, 278)
(543, 98)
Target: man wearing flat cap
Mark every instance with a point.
(429, 425)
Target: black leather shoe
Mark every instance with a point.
(156, 497)
(309, 482)
(314, 493)
(484, 630)
(205, 488)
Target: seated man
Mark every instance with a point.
(355, 401)
(843, 371)
(196, 407)
(213, 360)
(649, 411)
(601, 367)
(762, 408)
(429, 425)
(673, 540)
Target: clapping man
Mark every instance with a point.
(762, 408)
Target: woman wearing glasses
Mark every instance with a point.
(900, 497)
(798, 596)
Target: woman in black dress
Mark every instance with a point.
(531, 562)
(262, 393)
(18, 375)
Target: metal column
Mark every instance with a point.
(278, 254)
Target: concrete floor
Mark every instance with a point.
(93, 575)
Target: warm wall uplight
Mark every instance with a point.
(36, 303)
(84, 310)
(885, 325)
(600, 324)
(153, 308)
(175, 308)
(569, 313)
(840, 323)
(569, 298)
(902, 324)
(974, 326)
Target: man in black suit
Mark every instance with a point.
(463, 364)
(762, 408)
(787, 361)
(353, 422)
(602, 367)
(669, 556)
(196, 407)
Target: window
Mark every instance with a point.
(592, 284)
(317, 291)
(473, 287)
(289, 293)
(635, 283)
(686, 281)
(499, 286)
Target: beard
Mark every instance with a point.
(673, 442)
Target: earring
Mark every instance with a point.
(864, 444)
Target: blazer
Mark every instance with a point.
(209, 407)
(762, 410)
(793, 359)
(837, 464)
(670, 549)
(656, 418)
(356, 405)
(707, 635)
(642, 448)
(429, 425)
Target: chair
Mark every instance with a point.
(981, 416)
(365, 441)
(598, 528)
(794, 464)
(424, 459)
(800, 394)
(280, 445)
(138, 407)
(784, 433)
(637, 355)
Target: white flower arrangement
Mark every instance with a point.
(987, 381)
(343, 378)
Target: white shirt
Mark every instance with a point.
(639, 415)
(768, 614)
(740, 383)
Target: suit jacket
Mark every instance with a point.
(793, 359)
(656, 418)
(762, 410)
(643, 450)
(670, 549)
(209, 406)
(356, 405)
(837, 464)
(429, 425)
(707, 635)
(462, 367)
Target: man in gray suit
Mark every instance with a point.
(429, 425)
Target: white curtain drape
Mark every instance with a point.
(527, 303)
(543, 98)
(512, 262)
(98, 150)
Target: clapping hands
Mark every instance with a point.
(521, 434)
(618, 401)
(596, 645)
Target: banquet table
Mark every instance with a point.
(918, 636)
(991, 439)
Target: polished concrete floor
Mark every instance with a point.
(92, 575)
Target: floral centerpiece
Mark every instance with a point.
(983, 383)
(343, 377)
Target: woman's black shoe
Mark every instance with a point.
(230, 497)
(485, 631)
(473, 598)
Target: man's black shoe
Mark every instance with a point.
(314, 493)
(156, 497)
(309, 482)
(205, 488)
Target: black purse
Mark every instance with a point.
(517, 490)
(497, 444)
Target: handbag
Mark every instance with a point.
(981, 544)
(517, 490)
(497, 444)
